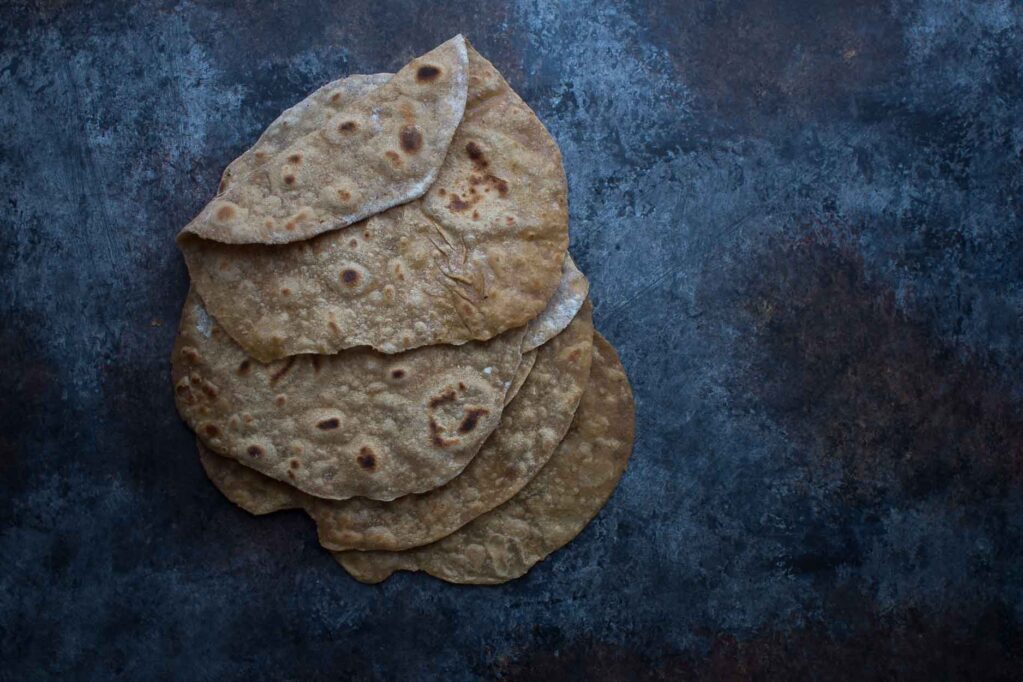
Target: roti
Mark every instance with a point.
(531, 427)
(308, 116)
(479, 253)
(354, 423)
(553, 508)
(379, 149)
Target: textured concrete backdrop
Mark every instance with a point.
(802, 225)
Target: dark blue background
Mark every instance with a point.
(802, 226)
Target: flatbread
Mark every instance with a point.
(354, 423)
(553, 508)
(306, 117)
(250, 490)
(563, 306)
(378, 150)
(521, 374)
(479, 254)
(531, 426)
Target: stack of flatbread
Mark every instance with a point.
(385, 329)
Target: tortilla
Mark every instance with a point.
(553, 508)
(306, 117)
(378, 150)
(531, 426)
(479, 254)
(564, 304)
(337, 426)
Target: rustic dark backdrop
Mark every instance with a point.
(802, 226)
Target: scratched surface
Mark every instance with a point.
(802, 226)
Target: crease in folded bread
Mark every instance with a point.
(385, 329)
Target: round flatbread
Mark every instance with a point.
(553, 508)
(354, 423)
(480, 253)
(378, 150)
(521, 374)
(531, 426)
(308, 116)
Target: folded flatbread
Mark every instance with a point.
(479, 253)
(553, 508)
(532, 425)
(354, 423)
(308, 116)
(382, 148)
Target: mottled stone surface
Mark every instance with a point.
(802, 225)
